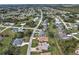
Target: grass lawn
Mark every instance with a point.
(6, 41)
(53, 48)
(18, 24)
(35, 53)
(26, 39)
(34, 43)
(12, 50)
(23, 50)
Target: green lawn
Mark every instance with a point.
(6, 41)
(35, 53)
(17, 50)
(26, 39)
(51, 39)
(23, 50)
(35, 43)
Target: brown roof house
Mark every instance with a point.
(42, 37)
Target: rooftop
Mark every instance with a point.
(43, 46)
(17, 41)
(43, 39)
(1, 38)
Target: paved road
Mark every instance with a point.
(62, 22)
(16, 27)
(34, 30)
(19, 27)
(4, 29)
(31, 38)
(75, 37)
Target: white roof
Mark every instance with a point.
(77, 21)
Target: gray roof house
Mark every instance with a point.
(43, 46)
(17, 30)
(41, 33)
(17, 41)
(1, 38)
(45, 25)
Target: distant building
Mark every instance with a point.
(41, 33)
(22, 24)
(77, 21)
(45, 25)
(17, 41)
(1, 38)
(17, 30)
(57, 21)
(20, 30)
(43, 39)
(77, 15)
(35, 19)
(9, 24)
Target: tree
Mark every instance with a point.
(78, 27)
(51, 34)
(20, 35)
(1, 44)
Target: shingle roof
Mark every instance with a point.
(18, 41)
(1, 38)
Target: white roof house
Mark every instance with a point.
(35, 19)
(1, 38)
(57, 21)
(9, 24)
(22, 24)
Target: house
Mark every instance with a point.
(42, 37)
(22, 24)
(35, 19)
(1, 38)
(45, 24)
(77, 15)
(75, 26)
(17, 42)
(43, 46)
(17, 30)
(9, 24)
(77, 21)
(20, 30)
(41, 33)
(57, 21)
